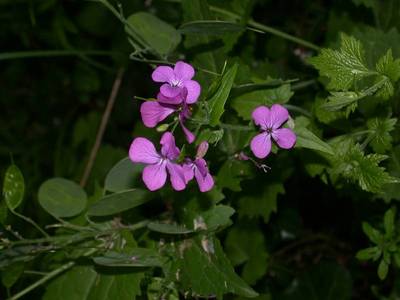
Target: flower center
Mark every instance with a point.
(269, 130)
(176, 82)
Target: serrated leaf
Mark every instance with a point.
(217, 101)
(123, 176)
(62, 198)
(218, 216)
(119, 202)
(389, 67)
(204, 269)
(380, 137)
(210, 27)
(342, 66)
(154, 33)
(13, 187)
(136, 257)
(232, 173)
(261, 205)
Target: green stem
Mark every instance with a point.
(52, 53)
(236, 127)
(298, 109)
(49, 276)
(268, 29)
(30, 221)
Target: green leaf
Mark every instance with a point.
(245, 244)
(276, 89)
(261, 205)
(373, 234)
(307, 139)
(390, 68)
(216, 217)
(351, 163)
(383, 269)
(388, 222)
(210, 27)
(217, 101)
(232, 173)
(246, 103)
(123, 176)
(343, 67)
(62, 198)
(380, 137)
(119, 202)
(84, 283)
(369, 253)
(137, 257)
(158, 35)
(13, 187)
(203, 268)
(11, 274)
(169, 228)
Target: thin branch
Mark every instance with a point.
(103, 125)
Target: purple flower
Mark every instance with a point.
(153, 112)
(198, 169)
(270, 121)
(177, 79)
(155, 173)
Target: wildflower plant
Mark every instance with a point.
(256, 164)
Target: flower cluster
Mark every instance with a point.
(176, 94)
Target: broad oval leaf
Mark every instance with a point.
(62, 198)
(13, 187)
(154, 33)
(307, 139)
(138, 257)
(123, 176)
(169, 228)
(119, 202)
(217, 101)
(210, 27)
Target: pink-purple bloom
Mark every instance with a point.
(177, 79)
(270, 122)
(155, 173)
(198, 169)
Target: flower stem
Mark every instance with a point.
(29, 220)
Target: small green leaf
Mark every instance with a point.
(217, 217)
(154, 33)
(119, 202)
(388, 222)
(169, 228)
(62, 198)
(373, 234)
(13, 187)
(210, 27)
(123, 176)
(307, 139)
(383, 269)
(217, 101)
(380, 137)
(137, 257)
(11, 274)
(369, 253)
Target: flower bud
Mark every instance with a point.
(162, 127)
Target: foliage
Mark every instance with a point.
(313, 220)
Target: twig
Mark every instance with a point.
(103, 124)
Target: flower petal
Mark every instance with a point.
(261, 116)
(284, 137)
(205, 183)
(183, 71)
(167, 100)
(176, 175)
(188, 171)
(193, 91)
(261, 145)
(143, 151)
(202, 149)
(279, 115)
(201, 165)
(154, 176)
(153, 113)
(163, 74)
(170, 91)
(168, 147)
(190, 137)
